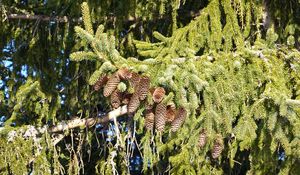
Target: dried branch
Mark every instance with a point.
(88, 122)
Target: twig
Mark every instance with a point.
(57, 139)
(117, 131)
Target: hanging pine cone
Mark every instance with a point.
(179, 119)
(149, 120)
(202, 138)
(134, 80)
(124, 74)
(100, 82)
(134, 103)
(111, 85)
(158, 94)
(115, 99)
(143, 89)
(160, 114)
(218, 147)
(170, 115)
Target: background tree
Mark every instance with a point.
(208, 87)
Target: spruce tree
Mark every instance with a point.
(213, 92)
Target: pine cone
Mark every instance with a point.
(202, 138)
(158, 94)
(218, 147)
(144, 85)
(134, 103)
(149, 120)
(100, 82)
(115, 99)
(134, 80)
(179, 119)
(170, 114)
(124, 74)
(111, 85)
(160, 114)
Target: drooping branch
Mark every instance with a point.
(88, 122)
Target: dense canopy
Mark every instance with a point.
(150, 87)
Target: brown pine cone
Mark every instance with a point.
(134, 103)
(143, 89)
(149, 120)
(124, 74)
(111, 85)
(179, 119)
(134, 80)
(115, 99)
(218, 147)
(100, 82)
(160, 114)
(202, 138)
(170, 115)
(158, 94)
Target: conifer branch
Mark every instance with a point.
(88, 122)
(293, 102)
(60, 19)
(65, 19)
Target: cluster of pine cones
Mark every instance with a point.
(218, 145)
(157, 113)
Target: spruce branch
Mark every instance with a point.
(59, 19)
(65, 19)
(87, 18)
(292, 102)
(82, 55)
(88, 122)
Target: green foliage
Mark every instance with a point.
(236, 73)
(31, 102)
(239, 89)
(24, 148)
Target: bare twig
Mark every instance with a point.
(57, 139)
